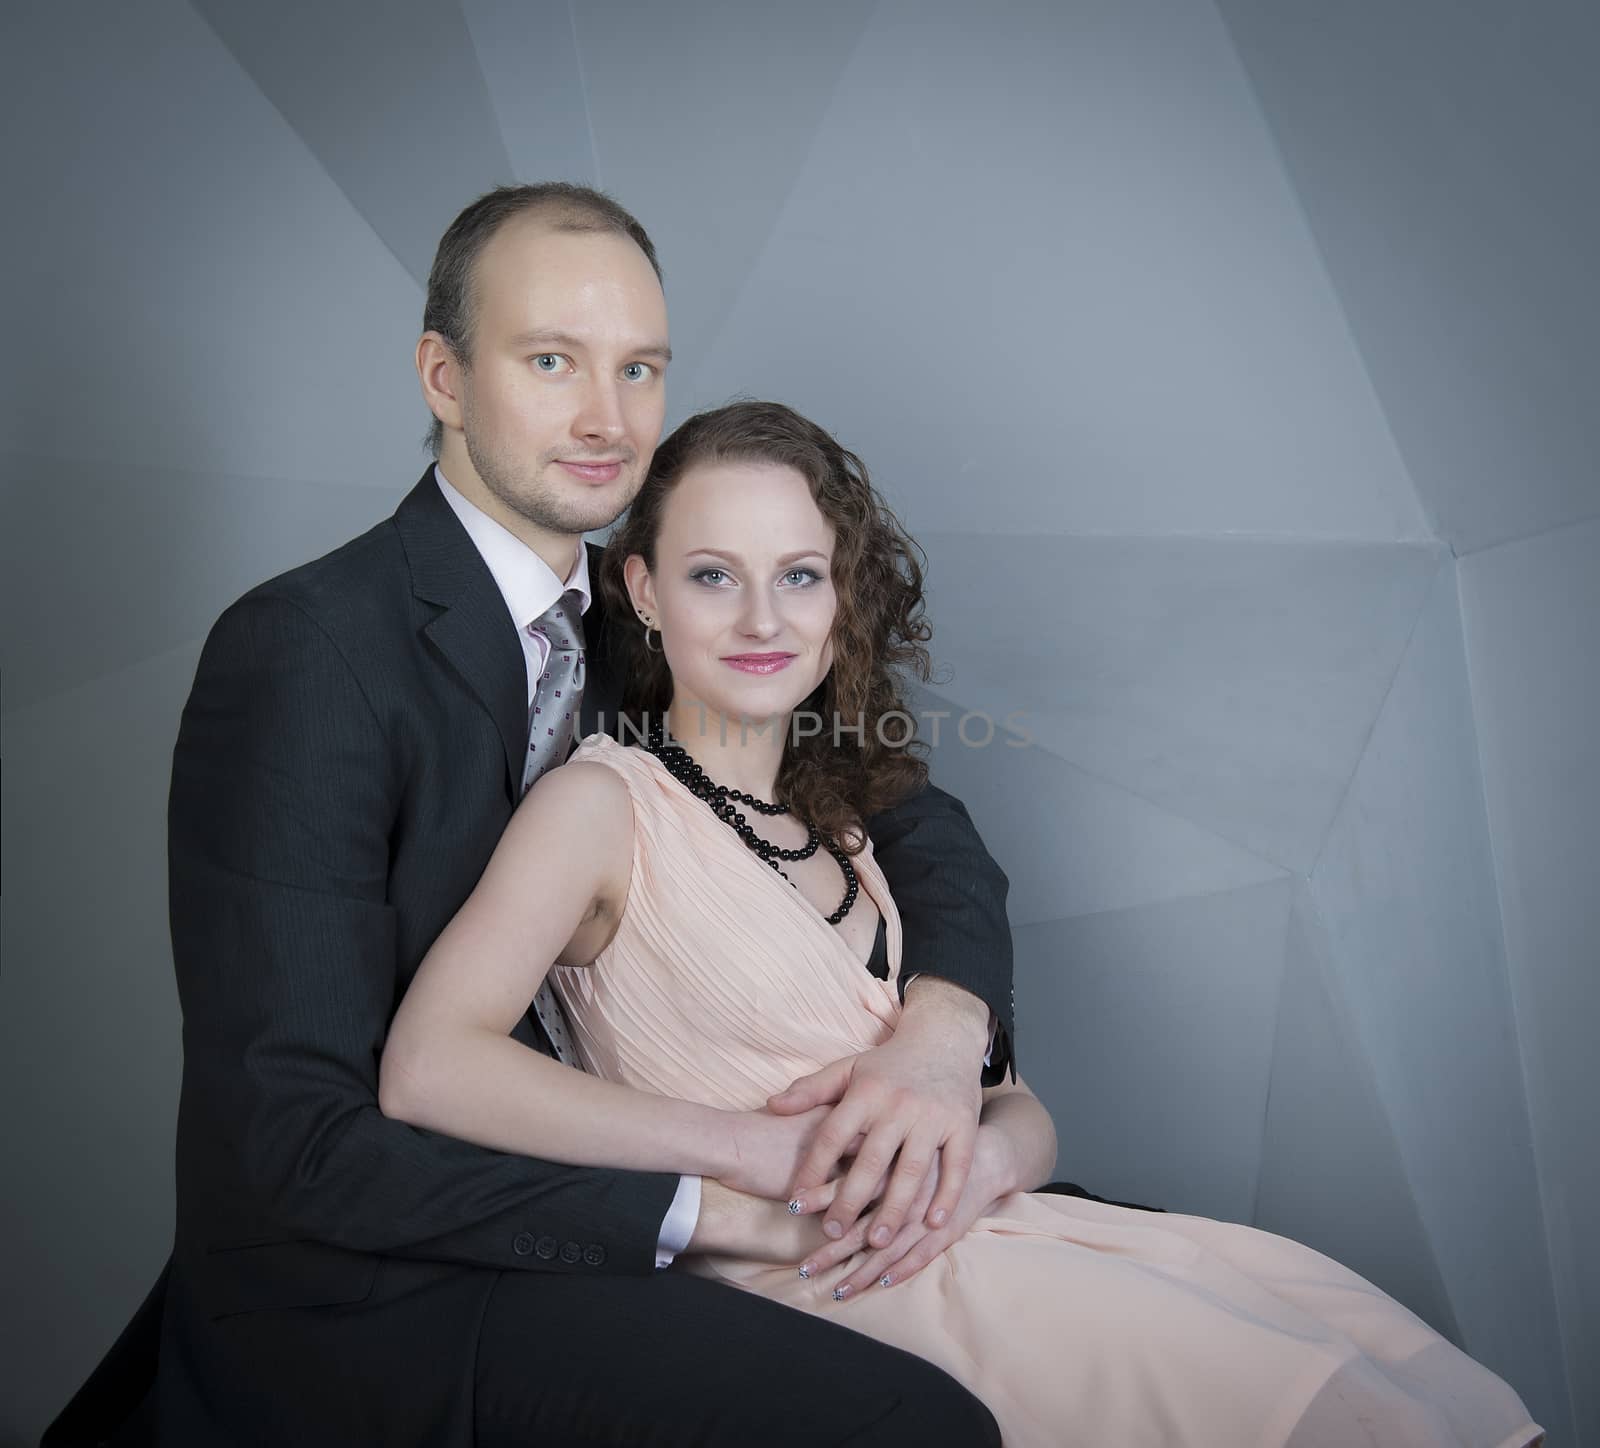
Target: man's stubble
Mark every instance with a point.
(521, 487)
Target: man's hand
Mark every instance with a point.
(993, 1176)
(908, 1102)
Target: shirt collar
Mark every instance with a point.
(527, 583)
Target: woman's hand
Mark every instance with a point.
(916, 1244)
(765, 1150)
(735, 1224)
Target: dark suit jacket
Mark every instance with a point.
(350, 753)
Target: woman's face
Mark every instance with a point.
(742, 590)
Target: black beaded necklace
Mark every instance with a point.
(724, 803)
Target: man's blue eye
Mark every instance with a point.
(547, 361)
(637, 371)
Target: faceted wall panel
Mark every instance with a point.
(1443, 151)
(1406, 888)
(1328, 1139)
(1530, 610)
(1230, 681)
(1042, 269)
(528, 52)
(155, 555)
(1148, 1033)
(702, 117)
(391, 100)
(89, 1029)
(194, 292)
(1071, 843)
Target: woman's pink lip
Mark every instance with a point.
(758, 663)
(593, 472)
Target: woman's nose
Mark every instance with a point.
(759, 619)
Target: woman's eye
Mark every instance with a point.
(708, 575)
(800, 577)
(638, 371)
(547, 362)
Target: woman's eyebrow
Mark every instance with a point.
(783, 562)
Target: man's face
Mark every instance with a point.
(563, 400)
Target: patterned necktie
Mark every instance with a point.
(551, 723)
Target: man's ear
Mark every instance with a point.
(439, 370)
(641, 588)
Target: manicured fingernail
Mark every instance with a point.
(880, 1236)
(840, 1293)
(796, 1207)
(833, 1229)
(805, 1270)
(886, 1280)
(939, 1217)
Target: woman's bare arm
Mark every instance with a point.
(553, 891)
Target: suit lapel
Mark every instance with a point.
(473, 631)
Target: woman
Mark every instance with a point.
(719, 928)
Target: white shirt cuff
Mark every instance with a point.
(679, 1223)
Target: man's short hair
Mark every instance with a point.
(450, 309)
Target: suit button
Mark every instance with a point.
(522, 1244)
(546, 1248)
(571, 1252)
(594, 1254)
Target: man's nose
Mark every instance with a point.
(599, 416)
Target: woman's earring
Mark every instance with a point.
(648, 625)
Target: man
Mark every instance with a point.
(357, 736)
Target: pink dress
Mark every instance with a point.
(1075, 1322)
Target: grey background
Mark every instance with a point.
(1235, 363)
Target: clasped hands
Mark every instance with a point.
(921, 1170)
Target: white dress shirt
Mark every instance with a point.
(529, 586)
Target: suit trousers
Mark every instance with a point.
(549, 1359)
(675, 1361)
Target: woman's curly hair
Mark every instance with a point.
(838, 778)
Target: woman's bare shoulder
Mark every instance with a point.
(590, 808)
(582, 792)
